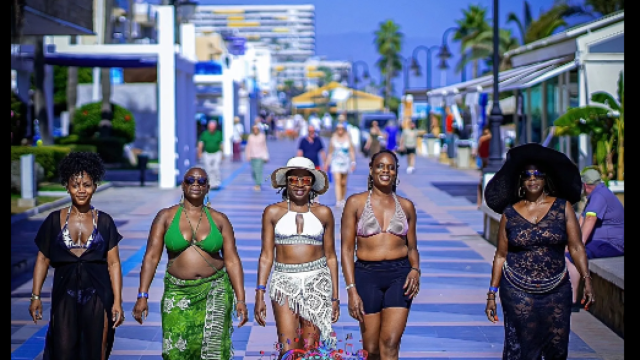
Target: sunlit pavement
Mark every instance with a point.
(447, 319)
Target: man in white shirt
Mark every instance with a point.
(236, 139)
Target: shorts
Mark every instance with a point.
(599, 249)
(380, 283)
(410, 151)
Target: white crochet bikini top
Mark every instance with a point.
(299, 228)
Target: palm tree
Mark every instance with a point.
(605, 7)
(388, 40)
(328, 75)
(483, 48)
(546, 24)
(470, 27)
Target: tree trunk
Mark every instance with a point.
(105, 76)
(130, 17)
(387, 95)
(40, 100)
(474, 69)
(72, 88)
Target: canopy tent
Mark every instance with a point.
(335, 97)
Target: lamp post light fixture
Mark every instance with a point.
(183, 11)
(415, 65)
(495, 118)
(444, 54)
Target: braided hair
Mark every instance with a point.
(77, 163)
(373, 159)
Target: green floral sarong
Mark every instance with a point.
(197, 318)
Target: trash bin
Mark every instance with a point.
(431, 145)
(463, 155)
(143, 160)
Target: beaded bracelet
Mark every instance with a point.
(143, 295)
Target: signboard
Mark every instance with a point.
(117, 76)
(208, 68)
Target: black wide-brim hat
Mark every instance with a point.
(501, 190)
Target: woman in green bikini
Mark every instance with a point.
(199, 283)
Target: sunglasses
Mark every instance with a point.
(300, 180)
(535, 173)
(202, 181)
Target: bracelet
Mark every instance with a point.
(35, 297)
(143, 295)
(335, 300)
(241, 301)
(493, 289)
(587, 276)
(418, 270)
(488, 299)
(261, 287)
(349, 286)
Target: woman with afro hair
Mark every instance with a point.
(81, 244)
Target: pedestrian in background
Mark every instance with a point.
(534, 191)
(408, 144)
(236, 139)
(257, 153)
(86, 300)
(210, 153)
(340, 161)
(482, 157)
(391, 134)
(601, 224)
(312, 148)
(373, 145)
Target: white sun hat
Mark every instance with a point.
(279, 176)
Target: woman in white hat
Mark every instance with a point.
(304, 283)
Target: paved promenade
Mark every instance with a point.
(447, 319)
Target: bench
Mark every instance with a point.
(607, 279)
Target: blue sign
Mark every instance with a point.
(208, 68)
(117, 76)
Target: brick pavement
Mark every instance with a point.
(447, 319)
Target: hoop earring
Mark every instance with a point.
(370, 184)
(206, 201)
(181, 202)
(397, 181)
(521, 192)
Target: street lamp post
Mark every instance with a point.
(415, 65)
(444, 55)
(183, 11)
(495, 118)
(406, 64)
(355, 80)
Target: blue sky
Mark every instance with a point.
(344, 28)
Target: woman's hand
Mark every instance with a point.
(35, 309)
(117, 315)
(412, 284)
(326, 167)
(356, 308)
(260, 309)
(587, 295)
(241, 313)
(336, 311)
(491, 310)
(140, 310)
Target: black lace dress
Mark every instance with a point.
(82, 295)
(535, 291)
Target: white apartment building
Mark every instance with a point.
(288, 32)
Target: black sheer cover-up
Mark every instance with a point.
(82, 296)
(537, 323)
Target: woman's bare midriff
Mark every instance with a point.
(298, 254)
(380, 247)
(189, 265)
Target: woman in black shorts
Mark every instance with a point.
(386, 277)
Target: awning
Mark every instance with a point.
(37, 23)
(100, 60)
(507, 106)
(543, 76)
(485, 83)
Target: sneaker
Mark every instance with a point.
(340, 204)
(410, 170)
(257, 188)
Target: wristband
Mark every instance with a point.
(143, 295)
(335, 300)
(590, 213)
(35, 297)
(418, 270)
(349, 286)
(261, 287)
(493, 289)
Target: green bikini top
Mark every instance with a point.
(175, 241)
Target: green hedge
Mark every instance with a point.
(86, 122)
(110, 149)
(47, 156)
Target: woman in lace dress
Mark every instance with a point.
(534, 192)
(304, 281)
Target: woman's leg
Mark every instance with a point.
(310, 334)
(574, 277)
(337, 178)
(393, 321)
(259, 167)
(287, 323)
(343, 186)
(411, 160)
(370, 330)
